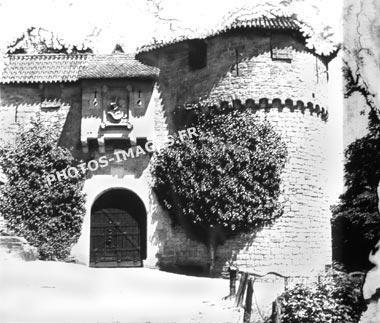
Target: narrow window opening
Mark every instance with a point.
(117, 144)
(316, 69)
(197, 54)
(237, 61)
(141, 141)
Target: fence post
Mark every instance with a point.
(233, 273)
(276, 311)
(286, 283)
(248, 301)
(241, 290)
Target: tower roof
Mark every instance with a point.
(261, 23)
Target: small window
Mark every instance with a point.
(197, 54)
(117, 144)
(141, 141)
(282, 54)
(93, 144)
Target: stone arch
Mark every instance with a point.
(118, 230)
(94, 188)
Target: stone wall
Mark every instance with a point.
(299, 243)
(304, 77)
(20, 102)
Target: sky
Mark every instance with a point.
(133, 23)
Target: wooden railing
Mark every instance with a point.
(246, 287)
(246, 284)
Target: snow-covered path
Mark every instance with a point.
(62, 292)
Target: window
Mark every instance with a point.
(282, 54)
(141, 141)
(117, 144)
(197, 54)
(281, 46)
(92, 144)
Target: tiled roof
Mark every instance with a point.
(116, 66)
(24, 68)
(47, 68)
(262, 23)
(278, 23)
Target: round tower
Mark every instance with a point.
(264, 65)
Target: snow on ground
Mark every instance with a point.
(62, 292)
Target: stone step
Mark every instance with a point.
(13, 247)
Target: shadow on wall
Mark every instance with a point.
(139, 101)
(71, 130)
(179, 252)
(21, 102)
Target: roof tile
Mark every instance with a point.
(116, 66)
(48, 68)
(278, 23)
(39, 68)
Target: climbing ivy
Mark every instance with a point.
(224, 181)
(49, 217)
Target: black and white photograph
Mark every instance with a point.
(205, 161)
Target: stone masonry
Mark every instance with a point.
(21, 102)
(241, 66)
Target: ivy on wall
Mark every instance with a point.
(224, 181)
(49, 217)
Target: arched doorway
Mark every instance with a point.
(118, 230)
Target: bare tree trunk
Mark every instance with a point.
(212, 250)
(214, 237)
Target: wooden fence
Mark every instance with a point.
(246, 287)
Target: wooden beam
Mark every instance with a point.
(248, 301)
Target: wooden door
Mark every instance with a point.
(116, 239)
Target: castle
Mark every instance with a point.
(120, 101)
